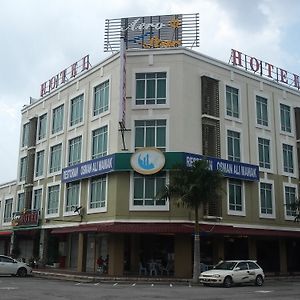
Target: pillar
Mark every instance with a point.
(81, 259)
(252, 248)
(116, 255)
(218, 249)
(43, 247)
(283, 256)
(183, 264)
(134, 253)
(13, 246)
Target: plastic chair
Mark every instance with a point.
(142, 269)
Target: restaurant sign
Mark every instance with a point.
(228, 168)
(25, 218)
(265, 69)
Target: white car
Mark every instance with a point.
(232, 272)
(10, 266)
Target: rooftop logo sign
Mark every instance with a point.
(164, 31)
(265, 69)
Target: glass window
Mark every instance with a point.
(101, 98)
(72, 196)
(266, 205)
(58, 119)
(8, 210)
(99, 142)
(55, 158)
(53, 199)
(42, 126)
(235, 195)
(75, 151)
(98, 192)
(232, 102)
(150, 133)
(37, 199)
(285, 117)
(146, 188)
(25, 135)
(264, 153)
(76, 110)
(39, 168)
(233, 143)
(262, 111)
(290, 198)
(23, 168)
(21, 202)
(288, 162)
(150, 88)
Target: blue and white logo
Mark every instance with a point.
(147, 161)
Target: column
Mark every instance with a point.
(81, 259)
(283, 256)
(116, 255)
(183, 264)
(218, 249)
(252, 248)
(43, 247)
(134, 253)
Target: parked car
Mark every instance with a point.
(10, 266)
(232, 272)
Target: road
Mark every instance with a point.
(14, 288)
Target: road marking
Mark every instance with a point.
(79, 283)
(115, 284)
(96, 283)
(264, 292)
(152, 284)
(133, 284)
(171, 284)
(8, 288)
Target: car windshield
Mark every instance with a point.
(225, 265)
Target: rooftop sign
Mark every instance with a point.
(65, 75)
(265, 69)
(164, 31)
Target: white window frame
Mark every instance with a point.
(291, 185)
(235, 129)
(235, 86)
(71, 213)
(3, 210)
(52, 117)
(38, 139)
(39, 187)
(150, 70)
(17, 200)
(81, 150)
(270, 154)
(262, 215)
(235, 212)
(52, 215)
(73, 96)
(61, 159)
(98, 209)
(24, 138)
(107, 139)
(36, 164)
(294, 165)
(268, 110)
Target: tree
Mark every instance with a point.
(194, 187)
(295, 207)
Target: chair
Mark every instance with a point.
(142, 269)
(165, 269)
(152, 269)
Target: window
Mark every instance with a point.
(99, 142)
(235, 195)
(42, 127)
(288, 163)
(25, 135)
(150, 133)
(232, 102)
(55, 158)
(37, 199)
(101, 98)
(58, 119)
(21, 202)
(39, 168)
(266, 203)
(98, 192)
(264, 153)
(262, 111)
(146, 188)
(23, 168)
(8, 210)
(53, 199)
(150, 88)
(285, 117)
(72, 200)
(75, 151)
(233, 144)
(290, 198)
(76, 110)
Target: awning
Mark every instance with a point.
(5, 233)
(175, 228)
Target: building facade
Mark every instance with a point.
(78, 197)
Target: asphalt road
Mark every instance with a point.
(14, 288)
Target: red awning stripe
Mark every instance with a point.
(5, 233)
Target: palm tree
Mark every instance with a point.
(193, 187)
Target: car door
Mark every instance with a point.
(241, 273)
(253, 270)
(7, 265)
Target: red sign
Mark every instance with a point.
(265, 69)
(65, 75)
(26, 218)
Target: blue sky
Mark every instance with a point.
(41, 37)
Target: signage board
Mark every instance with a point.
(228, 168)
(164, 31)
(25, 218)
(265, 69)
(147, 161)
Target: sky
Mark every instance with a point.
(39, 38)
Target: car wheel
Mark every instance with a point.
(22, 272)
(227, 282)
(259, 280)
